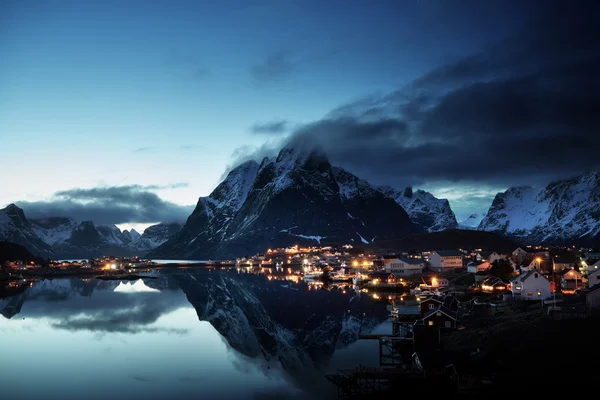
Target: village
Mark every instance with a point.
(447, 308)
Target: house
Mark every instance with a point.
(489, 256)
(592, 299)
(440, 316)
(531, 285)
(431, 303)
(446, 260)
(493, 284)
(478, 266)
(519, 255)
(590, 268)
(439, 282)
(593, 279)
(382, 277)
(405, 266)
(570, 279)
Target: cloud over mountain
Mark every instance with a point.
(110, 205)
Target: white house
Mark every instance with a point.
(446, 260)
(594, 278)
(531, 285)
(478, 266)
(404, 266)
(592, 299)
(488, 256)
(589, 269)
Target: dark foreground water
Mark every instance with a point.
(190, 334)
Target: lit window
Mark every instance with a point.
(517, 287)
(430, 323)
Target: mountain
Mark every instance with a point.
(15, 228)
(425, 210)
(472, 222)
(130, 236)
(13, 252)
(154, 236)
(562, 212)
(297, 198)
(60, 237)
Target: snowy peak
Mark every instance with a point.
(53, 230)
(14, 227)
(471, 223)
(154, 236)
(300, 153)
(424, 209)
(563, 211)
(350, 185)
(232, 192)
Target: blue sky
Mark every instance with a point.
(120, 93)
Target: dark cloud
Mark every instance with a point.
(523, 111)
(275, 66)
(110, 205)
(277, 127)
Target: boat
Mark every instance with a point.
(424, 290)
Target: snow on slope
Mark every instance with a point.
(424, 209)
(471, 223)
(562, 211)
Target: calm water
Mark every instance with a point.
(185, 335)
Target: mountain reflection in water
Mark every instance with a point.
(191, 333)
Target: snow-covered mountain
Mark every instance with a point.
(154, 236)
(59, 237)
(472, 222)
(563, 211)
(424, 209)
(296, 198)
(14, 227)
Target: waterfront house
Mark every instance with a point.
(593, 279)
(431, 303)
(440, 316)
(446, 260)
(404, 266)
(570, 280)
(531, 285)
(478, 266)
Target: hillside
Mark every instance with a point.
(13, 251)
(450, 239)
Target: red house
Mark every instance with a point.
(431, 303)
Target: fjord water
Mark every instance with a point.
(201, 334)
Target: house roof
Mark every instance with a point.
(525, 276)
(567, 270)
(444, 310)
(448, 253)
(492, 280)
(412, 261)
(434, 298)
(476, 263)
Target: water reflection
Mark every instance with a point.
(188, 334)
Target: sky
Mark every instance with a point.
(126, 112)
